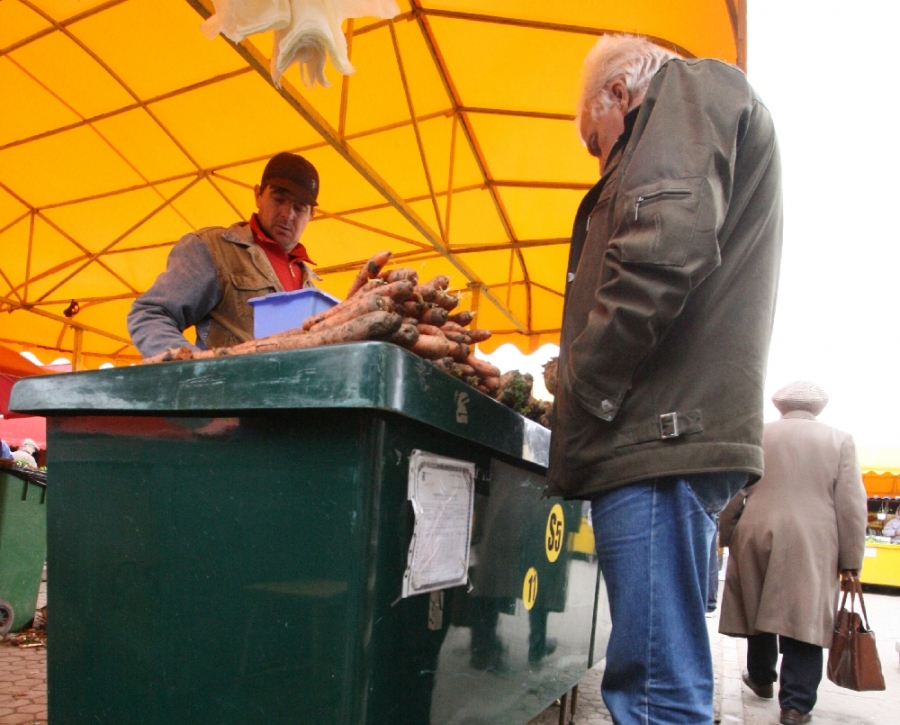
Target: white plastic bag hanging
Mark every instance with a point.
(314, 33)
(236, 19)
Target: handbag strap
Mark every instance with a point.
(857, 589)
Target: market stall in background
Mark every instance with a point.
(881, 477)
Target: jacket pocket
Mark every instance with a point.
(659, 222)
(250, 283)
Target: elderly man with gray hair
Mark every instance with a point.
(671, 288)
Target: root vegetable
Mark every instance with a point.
(440, 282)
(347, 310)
(399, 291)
(429, 329)
(482, 367)
(436, 316)
(461, 370)
(401, 273)
(412, 308)
(173, 353)
(462, 318)
(459, 351)
(405, 336)
(370, 269)
(369, 326)
(369, 286)
(427, 291)
(479, 335)
(492, 383)
(448, 302)
(431, 347)
(457, 337)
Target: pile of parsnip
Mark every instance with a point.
(387, 305)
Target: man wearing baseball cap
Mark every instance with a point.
(212, 273)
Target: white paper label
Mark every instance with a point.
(442, 492)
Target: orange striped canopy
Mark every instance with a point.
(453, 145)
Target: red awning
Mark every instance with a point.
(15, 430)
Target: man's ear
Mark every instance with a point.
(257, 192)
(619, 92)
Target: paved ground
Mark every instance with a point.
(23, 683)
(736, 705)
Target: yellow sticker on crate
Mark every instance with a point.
(530, 588)
(553, 540)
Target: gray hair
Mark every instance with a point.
(633, 59)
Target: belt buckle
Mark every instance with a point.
(668, 426)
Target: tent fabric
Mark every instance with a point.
(18, 429)
(452, 144)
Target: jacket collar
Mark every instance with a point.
(804, 414)
(239, 233)
(616, 151)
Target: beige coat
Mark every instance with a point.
(803, 522)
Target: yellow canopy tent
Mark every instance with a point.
(453, 145)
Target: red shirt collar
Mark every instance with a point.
(264, 240)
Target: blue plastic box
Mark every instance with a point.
(281, 311)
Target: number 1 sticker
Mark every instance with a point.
(554, 535)
(529, 588)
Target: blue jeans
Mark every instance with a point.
(653, 543)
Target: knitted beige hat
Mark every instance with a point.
(800, 395)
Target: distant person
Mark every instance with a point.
(212, 273)
(26, 452)
(803, 525)
(4, 450)
(892, 528)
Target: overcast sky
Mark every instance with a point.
(826, 70)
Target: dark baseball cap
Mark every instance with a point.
(293, 173)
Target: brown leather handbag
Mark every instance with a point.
(853, 658)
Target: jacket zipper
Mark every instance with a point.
(661, 192)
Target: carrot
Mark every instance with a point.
(369, 270)
(173, 353)
(458, 351)
(433, 316)
(428, 291)
(482, 367)
(447, 301)
(347, 310)
(371, 325)
(401, 273)
(461, 370)
(456, 336)
(429, 329)
(410, 321)
(484, 389)
(450, 326)
(440, 282)
(462, 318)
(443, 364)
(399, 291)
(479, 335)
(369, 286)
(431, 347)
(492, 383)
(405, 336)
(412, 308)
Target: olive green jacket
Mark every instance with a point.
(672, 283)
